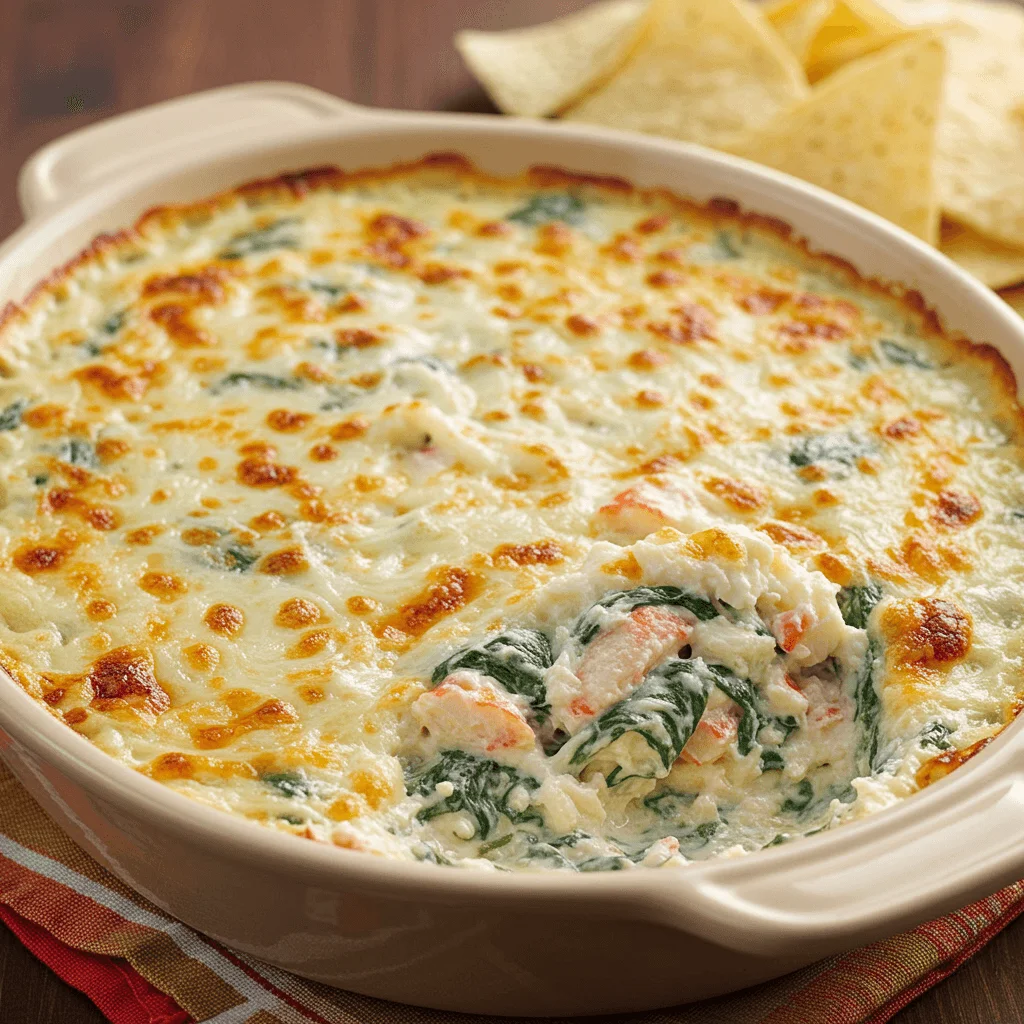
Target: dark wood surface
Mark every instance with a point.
(65, 63)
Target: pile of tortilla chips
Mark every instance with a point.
(911, 108)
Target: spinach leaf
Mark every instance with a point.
(801, 798)
(743, 693)
(588, 625)
(236, 557)
(935, 734)
(772, 760)
(332, 291)
(724, 248)
(114, 322)
(495, 844)
(78, 452)
(900, 355)
(868, 707)
(669, 803)
(700, 835)
(265, 381)
(289, 784)
(664, 709)
(857, 603)
(603, 864)
(548, 206)
(843, 449)
(273, 236)
(482, 789)
(516, 658)
(10, 416)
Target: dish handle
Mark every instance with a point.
(860, 888)
(165, 132)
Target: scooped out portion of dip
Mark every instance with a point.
(679, 697)
(526, 523)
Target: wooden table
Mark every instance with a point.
(63, 65)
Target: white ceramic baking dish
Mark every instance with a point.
(550, 943)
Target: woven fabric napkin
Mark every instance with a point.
(140, 966)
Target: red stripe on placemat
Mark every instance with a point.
(932, 978)
(121, 994)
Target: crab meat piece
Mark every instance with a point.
(716, 730)
(467, 711)
(616, 662)
(789, 627)
(827, 703)
(661, 851)
(642, 510)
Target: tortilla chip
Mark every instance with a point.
(853, 28)
(992, 263)
(867, 133)
(981, 134)
(536, 71)
(797, 22)
(701, 71)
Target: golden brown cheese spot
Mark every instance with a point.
(796, 538)
(42, 416)
(225, 619)
(323, 453)
(176, 321)
(544, 552)
(346, 807)
(357, 337)
(297, 613)
(941, 765)
(267, 522)
(454, 589)
(125, 676)
(582, 326)
(311, 643)
(271, 713)
(627, 567)
(905, 426)
(34, 559)
(389, 236)
(714, 543)
(196, 536)
(164, 586)
(666, 278)
(373, 787)
(359, 605)
(441, 273)
(261, 472)
(737, 494)
(286, 562)
(143, 534)
(350, 429)
(691, 322)
(956, 509)
(647, 359)
(925, 632)
(764, 301)
(118, 384)
(206, 285)
(495, 229)
(653, 224)
(202, 657)
(100, 610)
(286, 422)
(170, 766)
(650, 399)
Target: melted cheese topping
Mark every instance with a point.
(271, 459)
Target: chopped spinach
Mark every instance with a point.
(800, 799)
(588, 625)
(724, 248)
(772, 760)
(935, 734)
(842, 449)
(603, 864)
(669, 803)
(868, 707)
(900, 355)
(332, 291)
(265, 381)
(516, 658)
(289, 784)
(273, 236)
(857, 603)
(78, 452)
(10, 416)
(238, 557)
(481, 790)
(114, 322)
(700, 835)
(495, 844)
(743, 693)
(548, 206)
(664, 710)
(547, 852)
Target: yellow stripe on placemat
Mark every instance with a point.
(49, 880)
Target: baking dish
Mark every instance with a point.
(494, 943)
